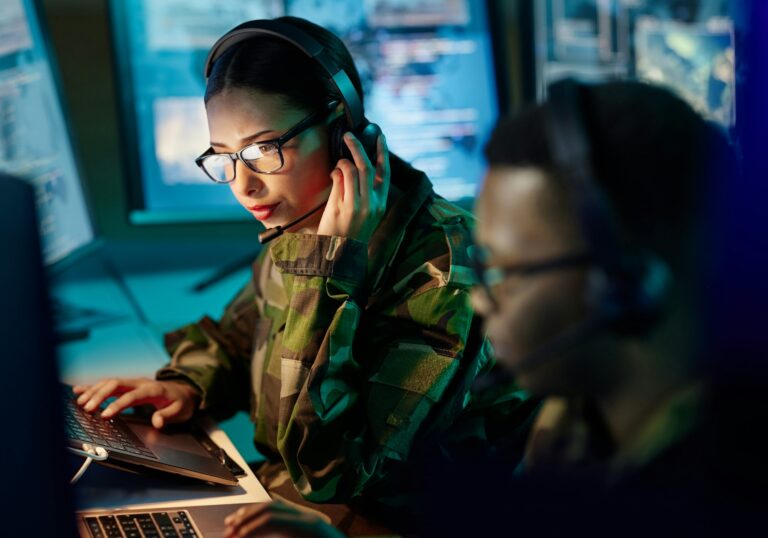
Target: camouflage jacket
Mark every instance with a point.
(346, 357)
(569, 435)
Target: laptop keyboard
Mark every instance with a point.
(138, 525)
(112, 433)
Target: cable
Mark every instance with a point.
(90, 453)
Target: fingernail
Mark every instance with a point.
(106, 413)
(81, 399)
(89, 406)
(348, 135)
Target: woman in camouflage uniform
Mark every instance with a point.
(354, 345)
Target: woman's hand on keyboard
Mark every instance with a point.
(174, 401)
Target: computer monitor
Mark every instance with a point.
(687, 46)
(35, 142)
(37, 500)
(695, 60)
(427, 69)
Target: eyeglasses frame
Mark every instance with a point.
(309, 121)
(488, 277)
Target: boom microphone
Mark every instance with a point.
(271, 233)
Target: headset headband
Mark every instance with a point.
(571, 149)
(307, 44)
(632, 296)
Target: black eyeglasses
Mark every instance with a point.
(488, 277)
(264, 157)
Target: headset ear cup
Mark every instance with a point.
(336, 146)
(651, 292)
(600, 295)
(369, 137)
(633, 301)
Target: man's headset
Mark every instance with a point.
(626, 288)
(353, 119)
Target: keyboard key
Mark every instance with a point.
(165, 524)
(128, 524)
(109, 523)
(147, 525)
(94, 527)
(162, 519)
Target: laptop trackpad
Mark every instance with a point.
(178, 448)
(161, 442)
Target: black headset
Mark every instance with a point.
(627, 287)
(353, 120)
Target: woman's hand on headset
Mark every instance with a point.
(359, 193)
(174, 401)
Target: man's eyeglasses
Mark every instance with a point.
(489, 277)
(264, 157)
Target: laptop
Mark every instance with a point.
(132, 443)
(38, 500)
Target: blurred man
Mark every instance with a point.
(590, 225)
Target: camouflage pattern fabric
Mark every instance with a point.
(347, 357)
(568, 435)
(350, 520)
